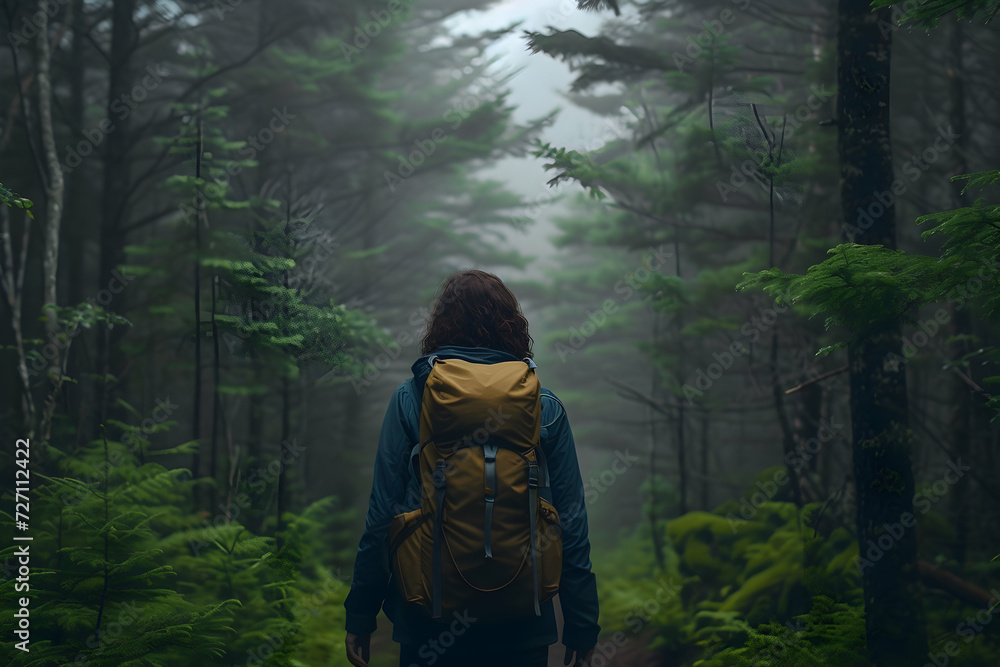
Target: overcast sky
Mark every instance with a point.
(536, 91)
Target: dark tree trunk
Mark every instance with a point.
(808, 413)
(213, 467)
(960, 417)
(284, 494)
(894, 620)
(80, 226)
(705, 489)
(124, 36)
(681, 446)
(199, 220)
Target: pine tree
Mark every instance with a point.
(99, 581)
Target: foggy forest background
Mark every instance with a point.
(763, 296)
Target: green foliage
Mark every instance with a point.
(979, 179)
(831, 633)
(866, 289)
(573, 166)
(744, 564)
(100, 582)
(113, 539)
(276, 312)
(928, 13)
(9, 198)
(599, 5)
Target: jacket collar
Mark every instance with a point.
(482, 355)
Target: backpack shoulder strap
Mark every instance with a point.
(414, 463)
(557, 401)
(415, 450)
(543, 464)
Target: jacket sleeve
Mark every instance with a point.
(371, 566)
(578, 585)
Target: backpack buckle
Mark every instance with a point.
(532, 475)
(439, 475)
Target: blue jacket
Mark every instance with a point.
(395, 490)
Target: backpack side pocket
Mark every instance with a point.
(406, 541)
(549, 549)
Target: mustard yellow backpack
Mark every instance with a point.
(483, 540)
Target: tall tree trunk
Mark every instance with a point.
(705, 489)
(284, 494)
(124, 36)
(12, 280)
(79, 227)
(894, 620)
(284, 497)
(960, 417)
(54, 183)
(652, 416)
(808, 413)
(196, 395)
(681, 447)
(213, 465)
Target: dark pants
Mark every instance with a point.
(437, 656)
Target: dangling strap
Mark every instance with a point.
(543, 466)
(533, 509)
(439, 484)
(414, 463)
(490, 456)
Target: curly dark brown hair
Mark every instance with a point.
(475, 309)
